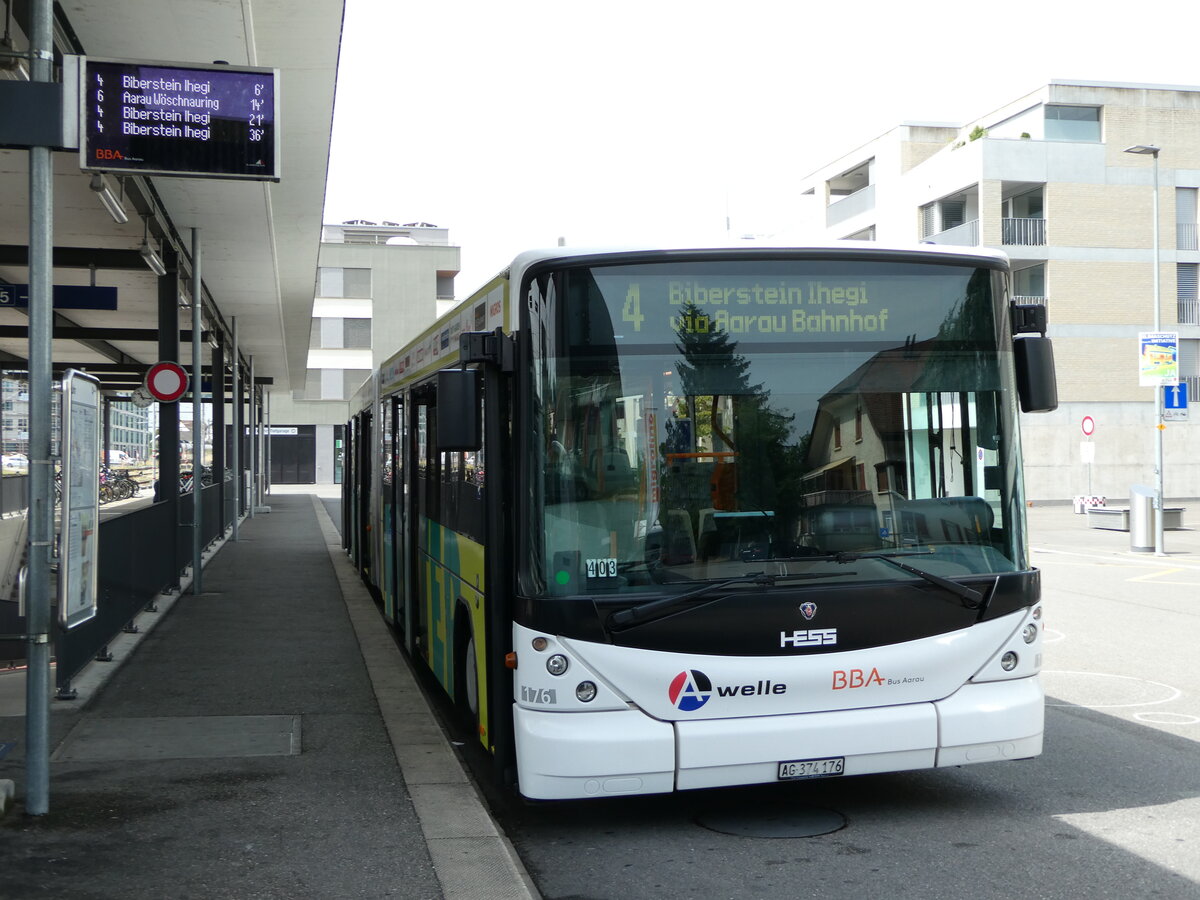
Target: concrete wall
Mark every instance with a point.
(1124, 453)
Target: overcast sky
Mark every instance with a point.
(516, 123)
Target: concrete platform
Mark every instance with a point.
(263, 739)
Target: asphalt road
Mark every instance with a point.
(1110, 810)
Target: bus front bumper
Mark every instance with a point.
(579, 754)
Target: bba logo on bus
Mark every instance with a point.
(691, 689)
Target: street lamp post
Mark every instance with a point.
(1152, 151)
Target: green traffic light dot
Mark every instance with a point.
(563, 577)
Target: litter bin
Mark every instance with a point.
(1141, 519)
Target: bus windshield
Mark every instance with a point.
(707, 420)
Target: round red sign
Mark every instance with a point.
(166, 382)
(1088, 425)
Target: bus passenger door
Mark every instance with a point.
(364, 471)
(387, 509)
(399, 526)
(421, 478)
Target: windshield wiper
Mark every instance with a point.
(970, 598)
(636, 615)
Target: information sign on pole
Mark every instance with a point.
(79, 542)
(161, 118)
(1175, 402)
(1158, 358)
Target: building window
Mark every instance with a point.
(357, 334)
(951, 220)
(954, 213)
(1029, 284)
(1072, 123)
(851, 181)
(349, 284)
(1187, 293)
(1185, 219)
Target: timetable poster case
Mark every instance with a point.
(79, 539)
(180, 119)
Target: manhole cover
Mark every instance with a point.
(783, 823)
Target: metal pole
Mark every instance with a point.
(41, 506)
(1158, 390)
(236, 452)
(253, 442)
(267, 445)
(197, 415)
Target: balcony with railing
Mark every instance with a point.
(1023, 232)
(850, 205)
(1185, 236)
(1187, 311)
(1028, 300)
(964, 235)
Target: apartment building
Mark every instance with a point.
(1054, 179)
(378, 285)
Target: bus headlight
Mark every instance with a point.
(1008, 661)
(585, 691)
(557, 664)
(1029, 633)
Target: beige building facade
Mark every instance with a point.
(378, 286)
(1048, 179)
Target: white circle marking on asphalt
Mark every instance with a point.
(1174, 692)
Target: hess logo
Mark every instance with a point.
(105, 153)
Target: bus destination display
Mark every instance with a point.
(159, 118)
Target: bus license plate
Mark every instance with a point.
(812, 768)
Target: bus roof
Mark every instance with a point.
(765, 247)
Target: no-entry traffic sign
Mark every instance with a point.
(166, 382)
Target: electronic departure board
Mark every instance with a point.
(159, 118)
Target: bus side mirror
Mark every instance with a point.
(1037, 387)
(459, 425)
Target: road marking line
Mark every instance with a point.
(1154, 574)
(1132, 561)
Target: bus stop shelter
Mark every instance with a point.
(213, 274)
